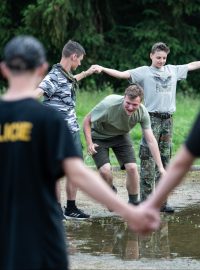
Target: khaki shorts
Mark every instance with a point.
(121, 146)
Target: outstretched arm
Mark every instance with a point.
(112, 72)
(90, 182)
(193, 65)
(153, 146)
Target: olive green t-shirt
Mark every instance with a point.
(109, 118)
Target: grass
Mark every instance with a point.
(187, 108)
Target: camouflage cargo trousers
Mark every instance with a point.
(149, 174)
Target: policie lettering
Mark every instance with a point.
(16, 131)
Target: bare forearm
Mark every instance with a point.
(87, 129)
(81, 75)
(88, 137)
(174, 175)
(194, 65)
(115, 73)
(153, 146)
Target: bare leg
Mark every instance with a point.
(106, 173)
(132, 182)
(71, 211)
(71, 191)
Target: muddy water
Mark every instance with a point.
(105, 242)
(178, 237)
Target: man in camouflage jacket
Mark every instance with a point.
(59, 90)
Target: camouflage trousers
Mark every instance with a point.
(149, 174)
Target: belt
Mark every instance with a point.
(161, 115)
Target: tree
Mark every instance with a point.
(114, 34)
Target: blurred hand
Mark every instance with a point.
(144, 220)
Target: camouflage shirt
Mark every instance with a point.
(60, 93)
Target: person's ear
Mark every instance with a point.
(4, 70)
(74, 56)
(42, 70)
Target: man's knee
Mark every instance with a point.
(105, 170)
(131, 168)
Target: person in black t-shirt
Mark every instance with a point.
(36, 149)
(177, 168)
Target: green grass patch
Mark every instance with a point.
(186, 111)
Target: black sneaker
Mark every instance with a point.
(75, 213)
(167, 209)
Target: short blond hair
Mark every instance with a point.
(133, 91)
(72, 47)
(160, 46)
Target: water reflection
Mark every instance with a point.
(178, 237)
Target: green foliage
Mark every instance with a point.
(60, 20)
(114, 33)
(52, 19)
(5, 23)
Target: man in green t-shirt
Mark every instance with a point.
(108, 125)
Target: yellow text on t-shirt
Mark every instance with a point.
(16, 131)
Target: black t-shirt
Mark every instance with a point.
(34, 140)
(193, 141)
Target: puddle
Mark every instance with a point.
(178, 237)
(104, 241)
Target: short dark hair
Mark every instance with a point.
(134, 91)
(72, 47)
(24, 53)
(160, 46)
